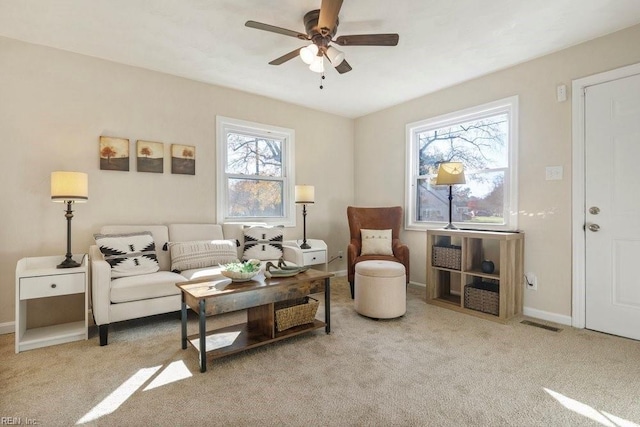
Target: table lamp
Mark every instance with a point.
(305, 194)
(450, 173)
(69, 187)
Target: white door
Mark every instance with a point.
(612, 203)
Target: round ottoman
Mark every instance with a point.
(380, 289)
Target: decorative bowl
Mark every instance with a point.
(241, 271)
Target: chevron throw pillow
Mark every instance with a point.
(129, 254)
(263, 243)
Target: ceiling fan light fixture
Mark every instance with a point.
(317, 66)
(309, 53)
(335, 56)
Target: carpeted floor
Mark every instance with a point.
(431, 367)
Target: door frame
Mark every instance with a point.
(578, 193)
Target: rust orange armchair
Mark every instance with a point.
(379, 218)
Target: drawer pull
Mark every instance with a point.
(53, 285)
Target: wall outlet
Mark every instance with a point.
(531, 281)
(340, 254)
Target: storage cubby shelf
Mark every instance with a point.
(446, 286)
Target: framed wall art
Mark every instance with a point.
(114, 154)
(183, 159)
(150, 156)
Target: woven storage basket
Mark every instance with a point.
(295, 312)
(447, 257)
(483, 296)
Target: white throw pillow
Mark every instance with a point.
(376, 242)
(201, 254)
(129, 254)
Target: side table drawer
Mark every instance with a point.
(314, 257)
(49, 286)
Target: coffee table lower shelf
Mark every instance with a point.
(236, 338)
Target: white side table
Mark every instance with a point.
(316, 255)
(38, 277)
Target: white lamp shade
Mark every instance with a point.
(450, 173)
(305, 194)
(69, 186)
(309, 53)
(317, 66)
(335, 56)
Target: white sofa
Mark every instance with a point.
(125, 298)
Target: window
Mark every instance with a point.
(484, 139)
(255, 172)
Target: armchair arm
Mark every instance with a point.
(353, 251)
(401, 251)
(293, 253)
(100, 286)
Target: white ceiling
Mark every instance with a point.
(442, 42)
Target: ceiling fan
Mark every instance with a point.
(321, 26)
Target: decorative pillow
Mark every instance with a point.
(376, 242)
(263, 243)
(129, 254)
(201, 254)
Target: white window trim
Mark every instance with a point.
(507, 105)
(225, 124)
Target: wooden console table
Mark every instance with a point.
(217, 295)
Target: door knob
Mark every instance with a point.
(594, 210)
(594, 227)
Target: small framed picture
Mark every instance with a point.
(114, 154)
(183, 159)
(150, 156)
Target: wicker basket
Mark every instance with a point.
(483, 296)
(295, 312)
(447, 257)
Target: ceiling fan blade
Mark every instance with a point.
(329, 10)
(368, 40)
(343, 67)
(284, 58)
(274, 29)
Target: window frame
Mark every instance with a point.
(224, 125)
(507, 106)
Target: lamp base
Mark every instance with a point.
(68, 263)
(450, 227)
(305, 245)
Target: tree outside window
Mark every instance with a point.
(484, 140)
(255, 166)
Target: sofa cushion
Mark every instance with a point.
(147, 286)
(263, 243)
(129, 254)
(376, 242)
(201, 254)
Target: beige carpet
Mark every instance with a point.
(431, 367)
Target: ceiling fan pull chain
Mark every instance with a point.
(321, 79)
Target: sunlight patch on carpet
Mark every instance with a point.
(176, 371)
(217, 340)
(120, 395)
(585, 410)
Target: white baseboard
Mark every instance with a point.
(7, 328)
(545, 315)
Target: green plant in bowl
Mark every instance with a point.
(241, 271)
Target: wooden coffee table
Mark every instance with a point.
(217, 294)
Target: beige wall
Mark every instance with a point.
(545, 140)
(53, 107)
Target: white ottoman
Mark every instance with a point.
(380, 289)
